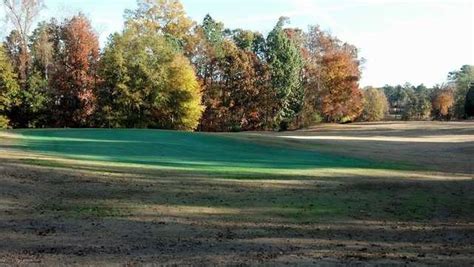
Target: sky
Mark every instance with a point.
(415, 41)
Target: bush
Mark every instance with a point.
(317, 118)
(4, 121)
(346, 119)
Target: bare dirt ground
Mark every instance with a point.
(77, 213)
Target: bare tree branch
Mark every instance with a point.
(22, 14)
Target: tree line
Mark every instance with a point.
(451, 101)
(164, 70)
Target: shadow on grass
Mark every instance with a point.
(254, 197)
(171, 217)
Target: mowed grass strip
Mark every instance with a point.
(181, 150)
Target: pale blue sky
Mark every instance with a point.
(416, 41)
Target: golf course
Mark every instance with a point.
(371, 193)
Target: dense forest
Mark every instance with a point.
(167, 71)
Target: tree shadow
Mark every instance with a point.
(89, 218)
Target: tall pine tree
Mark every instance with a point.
(285, 62)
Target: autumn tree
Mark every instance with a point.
(75, 74)
(331, 76)
(341, 98)
(9, 88)
(147, 83)
(161, 69)
(285, 63)
(235, 80)
(375, 105)
(237, 97)
(206, 58)
(443, 102)
(163, 17)
(147, 80)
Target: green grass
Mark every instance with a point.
(181, 150)
(79, 210)
(340, 188)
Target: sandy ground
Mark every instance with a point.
(81, 214)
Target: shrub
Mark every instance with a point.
(4, 122)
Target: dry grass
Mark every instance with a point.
(439, 146)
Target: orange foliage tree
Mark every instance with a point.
(234, 79)
(75, 75)
(332, 74)
(443, 103)
(341, 96)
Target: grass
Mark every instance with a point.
(231, 186)
(182, 151)
(182, 154)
